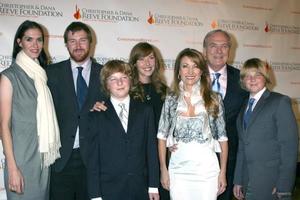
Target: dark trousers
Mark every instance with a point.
(228, 194)
(70, 183)
(163, 194)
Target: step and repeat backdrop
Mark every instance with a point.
(268, 29)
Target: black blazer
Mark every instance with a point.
(61, 84)
(233, 101)
(123, 165)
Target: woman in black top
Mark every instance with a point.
(149, 83)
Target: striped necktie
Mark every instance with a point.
(123, 115)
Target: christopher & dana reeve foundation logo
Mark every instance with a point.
(104, 15)
(29, 10)
(234, 25)
(173, 20)
(5, 61)
(281, 29)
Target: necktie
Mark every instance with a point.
(216, 84)
(123, 115)
(248, 112)
(81, 88)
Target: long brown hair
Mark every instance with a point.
(26, 25)
(210, 99)
(139, 51)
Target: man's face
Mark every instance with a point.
(217, 51)
(78, 45)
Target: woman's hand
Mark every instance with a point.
(99, 106)
(222, 183)
(173, 148)
(16, 181)
(165, 179)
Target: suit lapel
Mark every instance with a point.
(229, 87)
(93, 86)
(113, 117)
(258, 107)
(132, 114)
(70, 87)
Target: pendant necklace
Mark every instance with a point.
(147, 92)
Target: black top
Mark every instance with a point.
(154, 99)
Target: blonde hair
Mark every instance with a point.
(260, 66)
(111, 67)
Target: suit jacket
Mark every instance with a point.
(267, 154)
(61, 84)
(233, 102)
(123, 165)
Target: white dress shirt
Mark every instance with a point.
(115, 102)
(257, 97)
(86, 76)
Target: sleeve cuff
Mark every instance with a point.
(153, 190)
(223, 139)
(161, 136)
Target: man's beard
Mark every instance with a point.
(80, 58)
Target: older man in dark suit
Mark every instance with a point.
(75, 87)
(225, 80)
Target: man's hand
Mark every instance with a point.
(238, 192)
(153, 196)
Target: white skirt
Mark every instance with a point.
(193, 170)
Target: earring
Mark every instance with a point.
(178, 76)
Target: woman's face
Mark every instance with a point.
(254, 81)
(146, 66)
(189, 72)
(31, 43)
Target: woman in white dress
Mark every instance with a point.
(192, 119)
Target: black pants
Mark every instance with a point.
(228, 193)
(70, 183)
(163, 194)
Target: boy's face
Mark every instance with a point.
(118, 85)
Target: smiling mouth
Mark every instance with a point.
(148, 69)
(190, 77)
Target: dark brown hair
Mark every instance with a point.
(142, 50)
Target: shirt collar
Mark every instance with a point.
(86, 65)
(222, 71)
(259, 94)
(116, 101)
